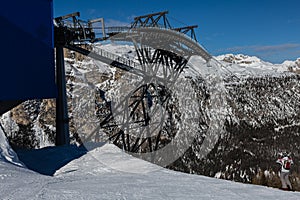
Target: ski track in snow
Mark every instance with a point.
(108, 173)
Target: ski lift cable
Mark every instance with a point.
(178, 21)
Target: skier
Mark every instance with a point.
(286, 162)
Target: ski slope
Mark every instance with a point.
(108, 173)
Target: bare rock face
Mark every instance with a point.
(239, 59)
(19, 115)
(34, 124)
(47, 116)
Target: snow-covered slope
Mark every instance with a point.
(108, 173)
(6, 152)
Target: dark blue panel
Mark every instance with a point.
(27, 55)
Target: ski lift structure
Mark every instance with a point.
(159, 48)
(163, 48)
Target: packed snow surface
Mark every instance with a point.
(106, 172)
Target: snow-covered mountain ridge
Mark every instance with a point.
(252, 65)
(246, 60)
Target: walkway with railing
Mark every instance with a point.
(117, 58)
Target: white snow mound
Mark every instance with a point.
(108, 158)
(7, 154)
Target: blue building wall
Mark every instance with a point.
(27, 68)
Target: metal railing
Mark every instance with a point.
(114, 57)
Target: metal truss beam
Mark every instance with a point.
(188, 30)
(152, 20)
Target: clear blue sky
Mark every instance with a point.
(269, 29)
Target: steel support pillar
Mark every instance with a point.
(62, 119)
